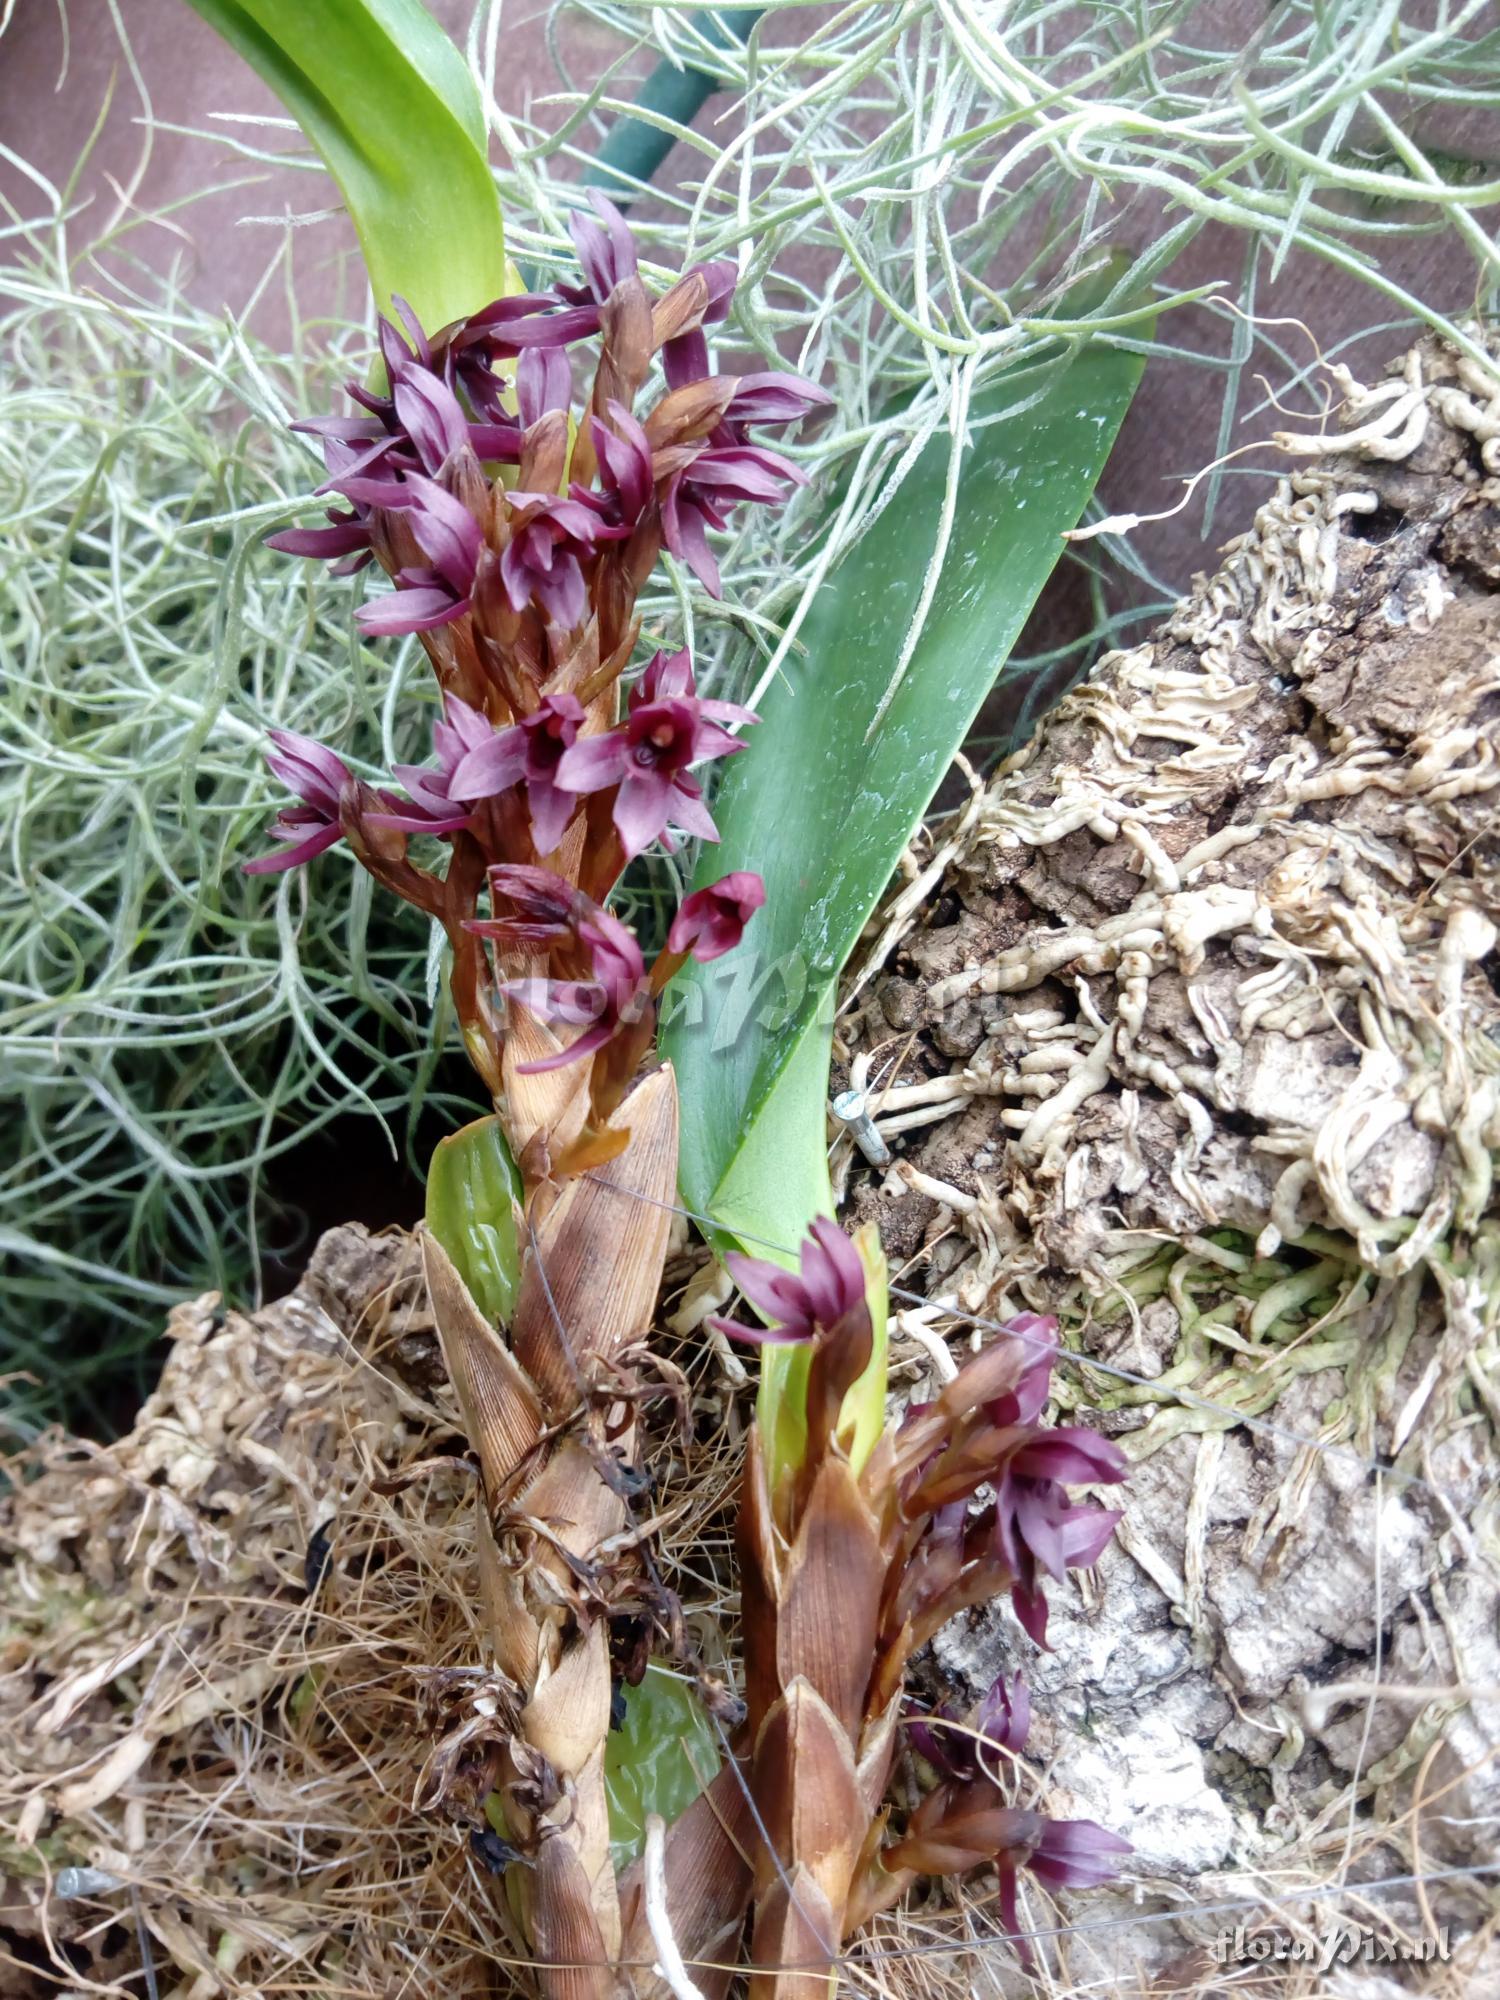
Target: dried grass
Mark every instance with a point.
(243, 1761)
(246, 1758)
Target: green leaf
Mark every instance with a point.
(841, 769)
(474, 1191)
(391, 106)
(657, 1761)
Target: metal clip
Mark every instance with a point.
(852, 1109)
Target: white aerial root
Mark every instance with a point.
(1315, 934)
(669, 1965)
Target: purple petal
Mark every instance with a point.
(683, 530)
(446, 532)
(320, 839)
(710, 741)
(341, 539)
(759, 1336)
(496, 441)
(307, 767)
(414, 327)
(343, 430)
(1073, 1456)
(772, 1291)
(562, 595)
(685, 359)
(624, 455)
(1086, 1533)
(832, 1274)
(643, 806)
(593, 762)
(544, 382)
(745, 472)
(492, 767)
(1004, 1716)
(1040, 1529)
(721, 276)
(774, 398)
(559, 329)
(1076, 1854)
(608, 254)
(688, 811)
(570, 516)
(430, 414)
(410, 611)
(1030, 1607)
(551, 808)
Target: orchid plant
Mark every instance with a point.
(518, 501)
(518, 529)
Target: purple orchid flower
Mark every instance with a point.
(1037, 1527)
(447, 533)
(647, 756)
(606, 249)
(433, 807)
(775, 397)
(541, 559)
(1063, 1853)
(543, 907)
(699, 498)
(828, 1284)
(1002, 1722)
(521, 324)
(318, 778)
(626, 475)
(614, 997)
(712, 921)
(349, 538)
(531, 753)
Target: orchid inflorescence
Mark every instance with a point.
(965, 1499)
(518, 529)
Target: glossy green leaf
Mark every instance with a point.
(391, 106)
(657, 1761)
(841, 769)
(474, 1192)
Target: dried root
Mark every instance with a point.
(1197, 1044)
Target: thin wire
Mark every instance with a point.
(143, 1939)
(1266, 1425)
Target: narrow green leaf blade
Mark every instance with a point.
(822, 804)
(474, 1191)
(391, 106)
